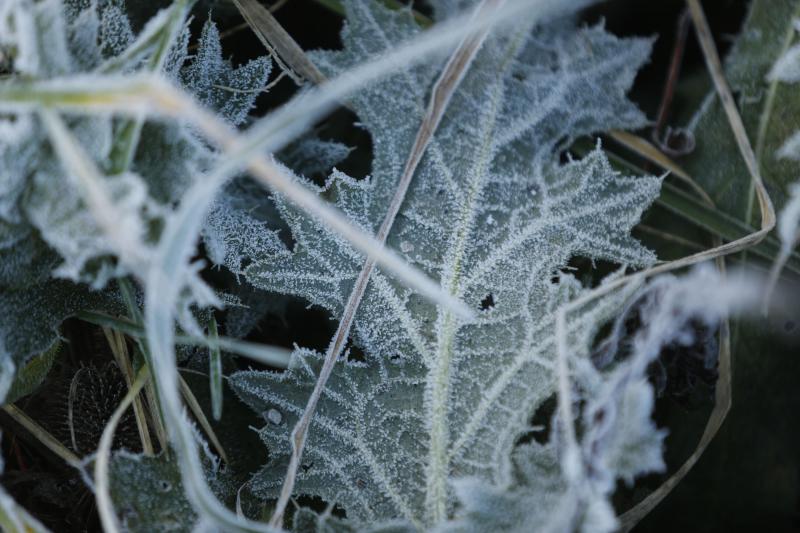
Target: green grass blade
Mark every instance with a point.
(215, 370)
(720, 224)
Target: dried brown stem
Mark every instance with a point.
(681, 32)
(285, 50)
(42, 435)
(119, 348)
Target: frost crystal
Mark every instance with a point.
(218, 85)
(490, 211)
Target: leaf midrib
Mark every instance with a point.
(438, 381)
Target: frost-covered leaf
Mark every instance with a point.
(46, 230)
(148, 494)
(234, 233)
(35, 35)
(32, 315)
(25, 259)
(242, 223)
(307, 521)
(37, 200)
(539, 497)
(494, 215)
(30, 376)
(115, 31)
(309, 156)
(618, 440)
(56, 206)
(34, 192)
(219, 86)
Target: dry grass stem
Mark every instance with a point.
(197, 411)
(120, 350)
(723, 393)
(286, 52)
(42, 435)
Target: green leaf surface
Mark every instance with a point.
(32, 375)
(47, 235)
(493, 215)
(32, 317)
(768, 108)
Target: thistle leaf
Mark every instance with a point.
(219, 86)
(493, 215)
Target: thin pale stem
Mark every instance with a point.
(42, 435)
(670, 237)
(647, 150)
(126, 289)
(197, 411)
(215, 370)
(269, 355)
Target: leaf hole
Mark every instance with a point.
(488, 302)
(290, 320)
(541, 423)
(354, 353)
(590, 272)
(318, 505)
